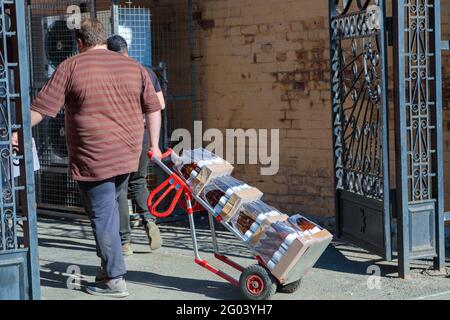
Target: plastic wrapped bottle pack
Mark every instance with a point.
(303, 226)
(218, 192)
(250, 216)
(276, 239)
(193, 165)
(190, 163)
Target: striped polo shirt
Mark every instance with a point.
(104, 94)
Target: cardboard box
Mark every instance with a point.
(296, 254)
(207, 173)
(301, 256)
(237, 199)
(246, 195)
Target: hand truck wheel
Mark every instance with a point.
(257, 283)
(290, 287)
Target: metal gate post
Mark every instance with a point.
(19, 264)
(439, 185)
(28, 198)
(418, 94)
(400, 135)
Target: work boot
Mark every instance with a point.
(115, 288)
(127, 250)
(153, 234)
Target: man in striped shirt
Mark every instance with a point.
(105, 95)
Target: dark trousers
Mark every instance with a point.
(100, 200)
(137, 187)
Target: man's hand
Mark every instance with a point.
(156, 152)
(15, 139)
(15, 142)
(154, 127)
(36, 117)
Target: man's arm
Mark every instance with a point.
(161, 99)
(151, 107)
(49, 100)
(153, 121)
(157, 87)
(36, 118)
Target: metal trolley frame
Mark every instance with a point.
(256, 282)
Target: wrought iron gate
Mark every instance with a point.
(420, 180)
(360, 123)
(360, 120)
(19, 265)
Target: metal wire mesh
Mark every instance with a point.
(51, 40)
(134, 24)
(104, 17)
(177, 45)
(177, 42)
(135, 27)
(171, 38)
(50, 43)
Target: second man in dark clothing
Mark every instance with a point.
(137, 183)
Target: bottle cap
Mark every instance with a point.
(248, 234)
(223, 201)
(260, 218)
(229, 193)
(194, 174)
(290, 238)
(277, 256)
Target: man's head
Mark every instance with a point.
(90, 34)
(118, 44)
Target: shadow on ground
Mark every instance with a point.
(69, 237)
(54, 275)
(347, 258)
(339, 258)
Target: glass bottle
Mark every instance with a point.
(304, 224)
(244, 222)
(213, 197)
(186, 170)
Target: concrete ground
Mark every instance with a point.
(343, 272)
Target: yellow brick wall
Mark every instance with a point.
(266, 66)
(445, 16)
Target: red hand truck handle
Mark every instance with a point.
(172, 183)
(164, 155)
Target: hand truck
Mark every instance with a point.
(256, 281)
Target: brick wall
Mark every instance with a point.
(266, 66)
(445, 16)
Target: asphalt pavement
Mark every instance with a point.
(68, 263)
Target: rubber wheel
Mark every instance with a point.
(256, 283)
(291, 287)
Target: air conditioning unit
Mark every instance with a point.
(59, 42)
(55, 44)
(52, 42)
